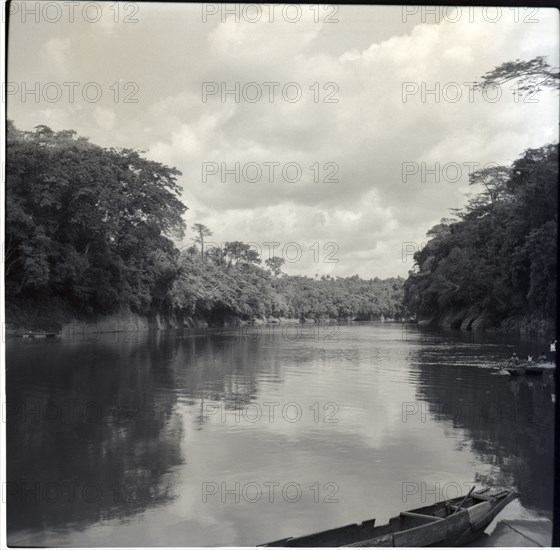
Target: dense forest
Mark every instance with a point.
(91, 231)
(496, 260)
(246, 290)
(494, 264)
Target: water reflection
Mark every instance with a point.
(155, 419)
(88, 438)
(507, 423)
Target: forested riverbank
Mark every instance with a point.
(91, 232)
(494, 265)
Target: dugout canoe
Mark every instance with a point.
(452, 522)
(530, 368)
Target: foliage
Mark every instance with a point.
(201, 232)
(275, 265)
(90, 224)
(528, 75)
(500, 254)
(215, 289)
(92, 228)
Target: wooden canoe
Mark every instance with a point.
(533, 367)
(452, 522)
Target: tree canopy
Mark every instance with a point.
(95, 228)
(499, 254)
(90, 224)
(528, 75)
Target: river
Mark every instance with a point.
(240, 437)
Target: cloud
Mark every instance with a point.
(105, 118)
(367, 135)
(350, 152)
(55, 54)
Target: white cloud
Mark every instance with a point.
(55, 54)
(368, 134)
(105, 118)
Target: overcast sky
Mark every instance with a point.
(170, 51)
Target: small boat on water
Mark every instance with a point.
(531, 368)
(452, 522)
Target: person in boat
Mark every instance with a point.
(542, 356)
(513, 360)
(529, 358)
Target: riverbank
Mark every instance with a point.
(476, 319)
(56, 318)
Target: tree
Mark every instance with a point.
(216, 255)
(529, 75)
(239, 252)
(251, 256)
(84, 222)
(201, 232)
(275, 265)
(94, 229)
(500, 257)
(494, 180)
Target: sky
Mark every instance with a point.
(344, 164)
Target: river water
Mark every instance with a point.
(213, 437)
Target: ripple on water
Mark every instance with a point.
(372, 373)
